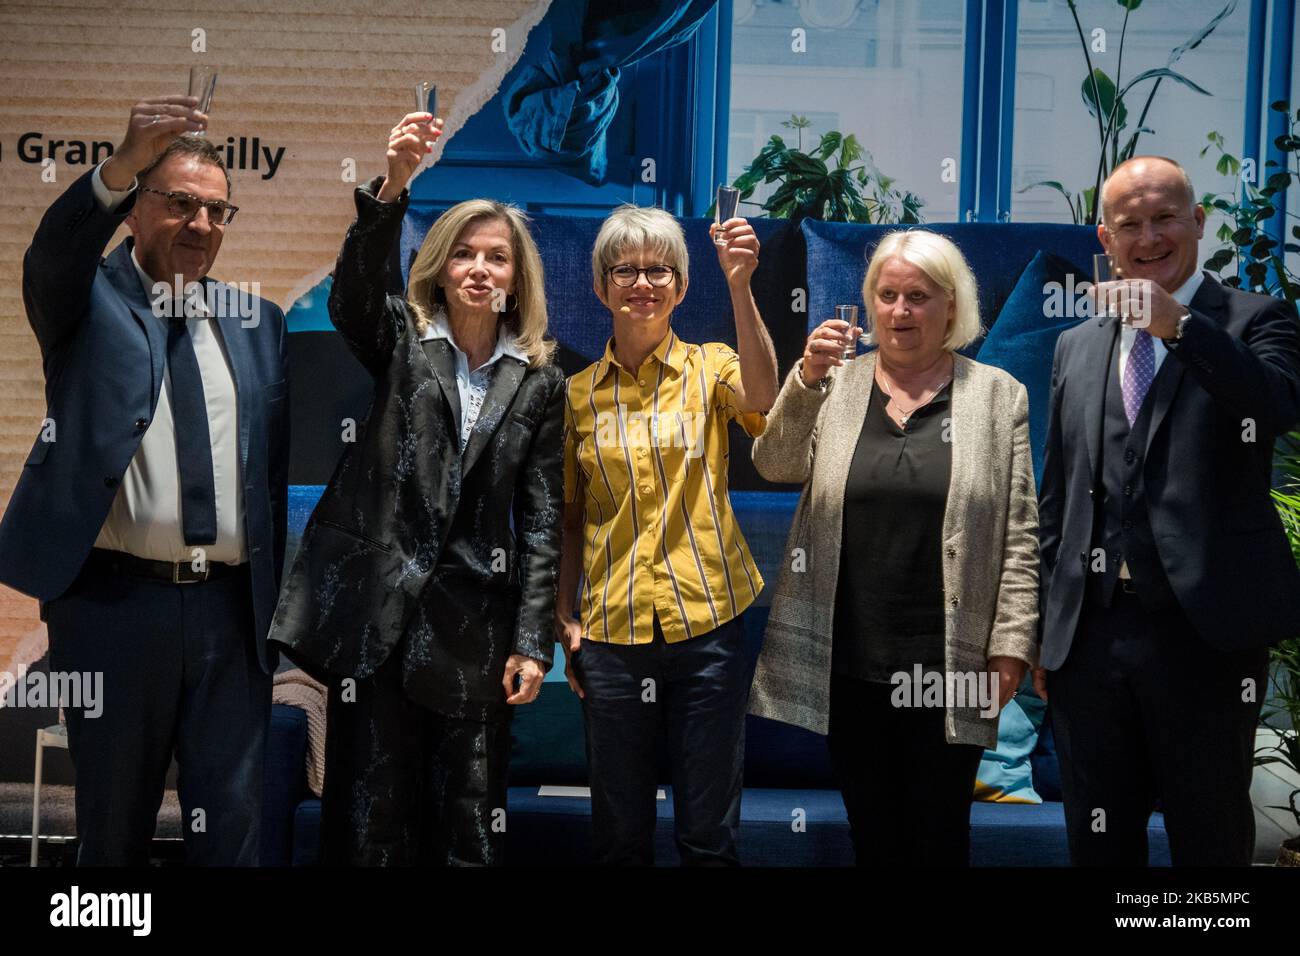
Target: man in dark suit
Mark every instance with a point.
(1165, 570)
(150, 516)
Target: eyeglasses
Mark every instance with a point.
(626, 276)
(184, 206)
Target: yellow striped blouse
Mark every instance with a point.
(647, 456)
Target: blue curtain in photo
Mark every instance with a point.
(560, 107)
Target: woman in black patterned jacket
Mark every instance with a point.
(424, 587)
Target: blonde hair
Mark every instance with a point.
(946, 267)
(646, 228)
(527, 320)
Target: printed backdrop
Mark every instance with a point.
(306, 95)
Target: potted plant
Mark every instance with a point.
(1104, 98)
(838, 181)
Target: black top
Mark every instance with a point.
(889, 611)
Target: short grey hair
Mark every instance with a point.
(634, 228)
(940, 259)
(1187, 180)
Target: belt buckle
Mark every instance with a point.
(176, 573)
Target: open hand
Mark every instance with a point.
(739, 257)
(409, 142)
(154, 123)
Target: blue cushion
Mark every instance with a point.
(997, 253)
(1023, 339)
(1006, 774)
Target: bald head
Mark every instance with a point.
(1144, 169)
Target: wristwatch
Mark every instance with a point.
(1178, 328)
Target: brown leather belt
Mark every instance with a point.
(177, 572)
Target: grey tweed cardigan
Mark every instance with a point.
(990, 537)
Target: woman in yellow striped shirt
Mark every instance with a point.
(657, 643)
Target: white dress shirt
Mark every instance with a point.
(145, 517)
(471, 386)
(1128, 335)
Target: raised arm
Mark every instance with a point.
(1258, 375)
(756, 389)
(784, 452)
(358, 302)
(59, 266)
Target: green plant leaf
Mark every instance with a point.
(1163, 73)
(1219, 260)
(1227, 165)
(1129, 5)
(829, 144)
(1196, 39)
(1105, 89)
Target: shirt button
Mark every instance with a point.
(641, 452)
(1129, 455)
(141, 424)
(952, 552)
(110, 481)
(953, 602)
(1128, 491)
(641, 383)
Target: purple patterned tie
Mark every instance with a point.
(1138, 373)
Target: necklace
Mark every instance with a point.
(908, 413)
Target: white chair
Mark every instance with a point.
(56, 736)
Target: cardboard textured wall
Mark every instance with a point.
(322, 81)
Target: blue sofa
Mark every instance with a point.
(792, 813)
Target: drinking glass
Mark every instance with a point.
(849, 314)
(203, 83)
(426, 97)
(728, 200)
(1103, 270)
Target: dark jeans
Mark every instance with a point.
(1144, 708)
(906, 789)
(695, 692)
(180, 675)
(405, 785)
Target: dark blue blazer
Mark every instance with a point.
(1217, 532)
(103, 352)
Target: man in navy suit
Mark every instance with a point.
(150, 516)
(1165, 570)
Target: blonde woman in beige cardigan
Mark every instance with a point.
(905, 614)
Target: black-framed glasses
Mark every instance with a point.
(184, 206)
(626, 276)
